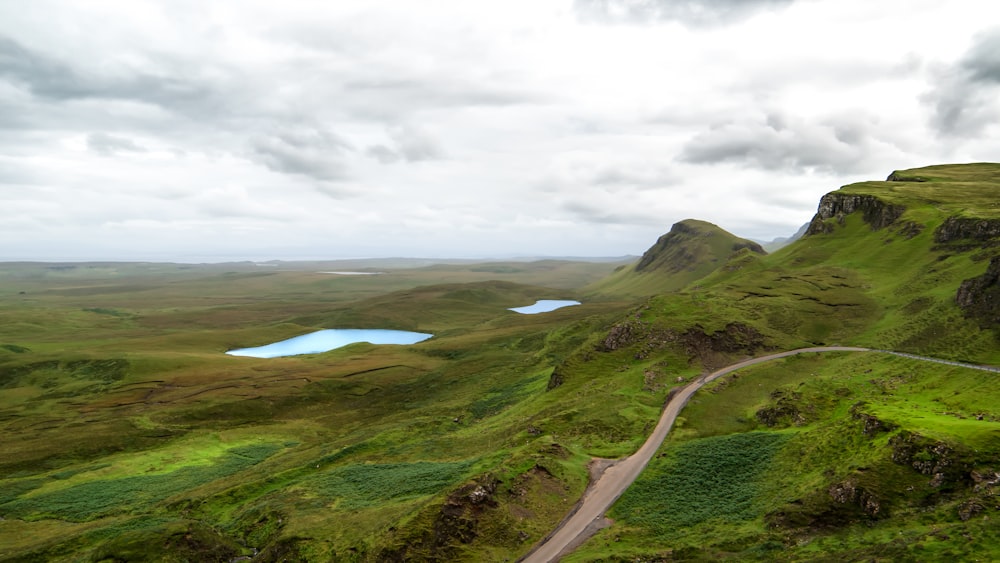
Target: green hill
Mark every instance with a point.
(850, 457)
(127, 435)
(690, 251)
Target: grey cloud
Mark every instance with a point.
(983, 60)
(414, 144)
(602, 215)
(383, 154)
(50, 78)
(691, 12)
(964, 100)
(839, 145)
(306, 151)
(389, 99)
(107, 145)
(640, 178)
(409, 144)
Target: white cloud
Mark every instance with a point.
(142, 129)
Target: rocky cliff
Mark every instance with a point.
(979, 297)
(836, 205)
(968, 228)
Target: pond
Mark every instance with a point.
(330, 339)
(354, 273)
(544, 306)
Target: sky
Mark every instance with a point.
(210, 130)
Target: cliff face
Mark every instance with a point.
(967, 228)
(979, 297)
(835, 205)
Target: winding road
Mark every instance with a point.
(588, 515)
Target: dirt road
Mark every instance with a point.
(606, 490)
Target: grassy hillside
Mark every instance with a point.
(690, 251)
(127, 434)
(856, 457)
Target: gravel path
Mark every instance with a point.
(588, 515)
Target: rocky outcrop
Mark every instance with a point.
(783, 412)
(937, 460)
(967, 228)
(456, 523)
(836, 205)
(735, 337)
(837, 505)
(870, 424)
(849, 493)
(979, 297)
(621, 335)
(556, 378)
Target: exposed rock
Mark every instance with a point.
(984, 479)
(736, 337)
(836, 205)
(910, 229)
(555, 379)
(967, 228)
(848, 492)
(969, 508)
(621, 335)
(979, 297)
(455, 523)
(870, 425)
(937, 460)
(785, 411)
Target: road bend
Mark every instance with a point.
(615, 479)
(579, 525)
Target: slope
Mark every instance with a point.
(872, 457)
(690, 251)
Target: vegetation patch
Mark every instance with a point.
(707, 479)
(104, 497)
(364, 485)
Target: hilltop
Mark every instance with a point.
(690, 251)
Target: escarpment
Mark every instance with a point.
(968, 228)
(835, 205)
(979, 297)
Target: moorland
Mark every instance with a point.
(128, 434)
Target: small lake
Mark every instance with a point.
(330, 339)
(544, 306)
(354, 273)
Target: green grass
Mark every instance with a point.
(129, 494)
(709, 479)
(130, 357)
(782, 509)
(355, 487)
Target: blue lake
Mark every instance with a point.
(544, 306)
(325, 340)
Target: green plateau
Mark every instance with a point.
(128, 434)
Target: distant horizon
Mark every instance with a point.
(236, 260)
(140, 130)
(223, 258)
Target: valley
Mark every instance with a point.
(129, 434)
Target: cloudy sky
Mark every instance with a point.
(209, 130)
